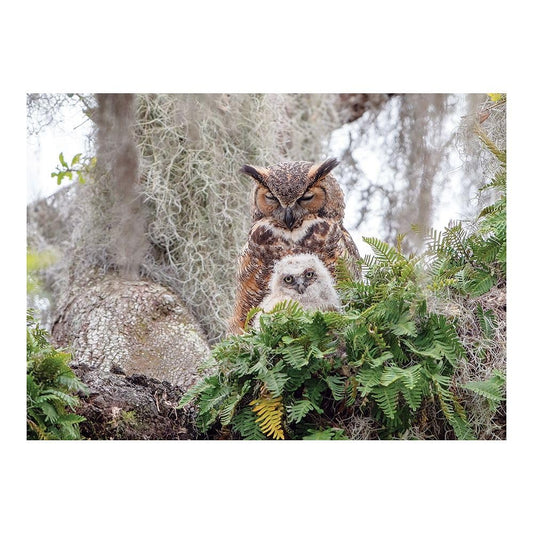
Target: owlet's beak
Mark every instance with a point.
(300, 286)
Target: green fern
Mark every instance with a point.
(51, 388)
(493, 389)
(298, 410)
(245, 424)
(325, 434)
(387, 398)
(337, 386)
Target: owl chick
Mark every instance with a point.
(302, 278)
(297, 208)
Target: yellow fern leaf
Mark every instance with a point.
(269, 413)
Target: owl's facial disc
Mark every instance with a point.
(286, 212)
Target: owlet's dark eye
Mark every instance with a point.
(269, 196)
(309, 274)
(307, 196)
(288, 279)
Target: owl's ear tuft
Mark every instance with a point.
(257, 174)
(321, 170)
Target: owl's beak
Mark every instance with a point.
(289, 218)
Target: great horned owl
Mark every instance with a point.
(302, 278)
(297, 208)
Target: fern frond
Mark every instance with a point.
(250, 317)
(493, 389)
(295, 355)
(313, 392)
(378, 361)
(487, 321)
(479, 282)
(487, 141)
(451, 407)
(244, 423)
(269, 412)
(337, 386)
(368, 379)
(37, 430)
(226, 414)
(298, 410)
(48, 409)
(72, 383)
(384, 252)
(409, 376)
(404, 326)
(54, 394)
(387, 399)
(447, 340)
(275, 379)
(194, 392)
(461, 428)
(71, 418)
(343, 274)
(325, 434)
(413, 397)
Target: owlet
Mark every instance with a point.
(302, 278)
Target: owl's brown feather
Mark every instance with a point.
(315, 229)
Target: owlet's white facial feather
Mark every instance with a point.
(305, 279)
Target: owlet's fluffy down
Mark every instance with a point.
(302, 278)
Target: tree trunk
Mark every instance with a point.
(135, 327)
(120, 407)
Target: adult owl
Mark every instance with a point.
(302, 278)
(297, 208)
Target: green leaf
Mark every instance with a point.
(62, 160)
(227, 412)
(49, 410)
(325, 434)
(75, 160)
(461, 428)
(194, 392)
(487, 321)
(387, 399)
(71, 418)
(297, 411)
(493, 389)
(413, 397)
(405, 326)
(244, 423)
(275, 379)
(337, 386)
(295, 355)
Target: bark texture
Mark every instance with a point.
(133, 327)
(120, 407)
